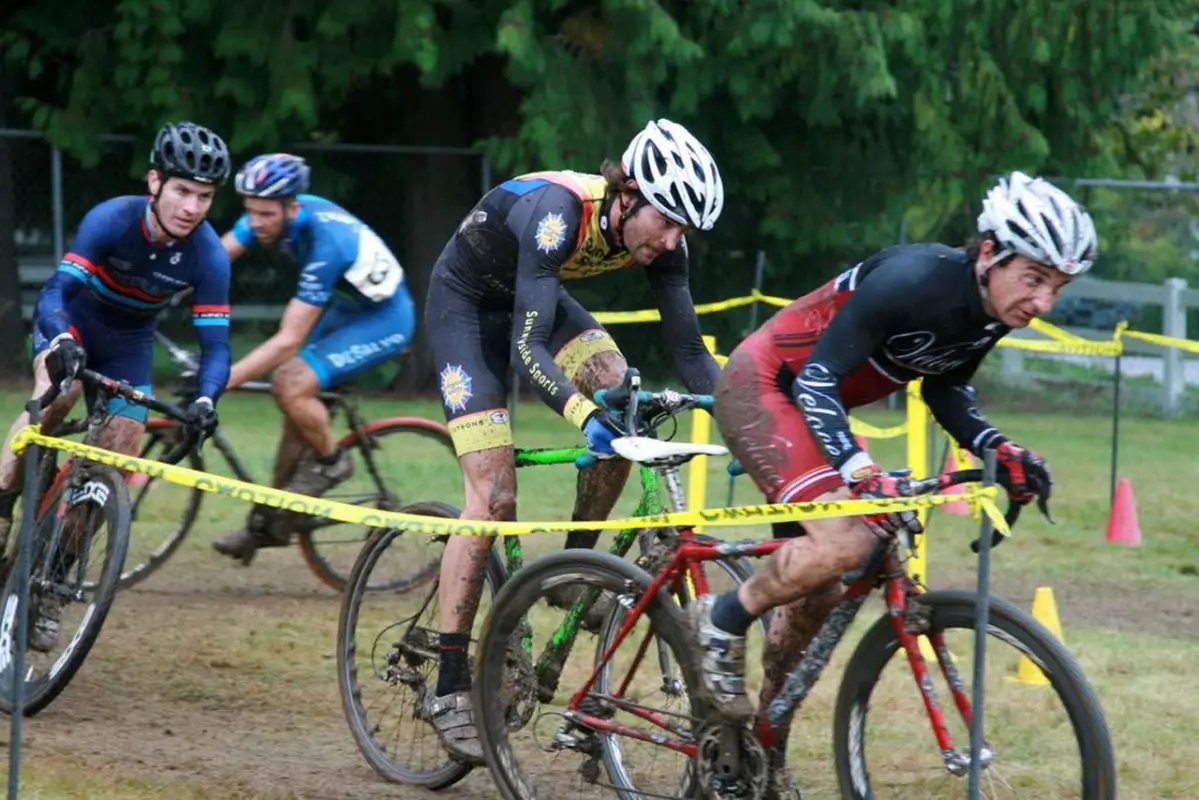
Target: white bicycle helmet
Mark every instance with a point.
(1033, 218)
(676, 174)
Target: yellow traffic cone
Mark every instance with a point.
(1044, 611)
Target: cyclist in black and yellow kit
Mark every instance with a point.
(496, 299)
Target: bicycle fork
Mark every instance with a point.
(911, 621)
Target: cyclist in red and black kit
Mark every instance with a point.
(496, 298)
(922, 311)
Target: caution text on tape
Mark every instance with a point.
(415, 523)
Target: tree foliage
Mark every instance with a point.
(833, 122)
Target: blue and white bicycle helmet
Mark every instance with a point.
(273, 176)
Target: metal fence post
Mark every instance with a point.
(21, 639)
(1174, 323)
(56, 200)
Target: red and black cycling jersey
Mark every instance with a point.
(908, 312)
(530, 233)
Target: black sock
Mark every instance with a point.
(330, 459)
(730, 616)
(453, 671)
(581, 539)
(8, 499)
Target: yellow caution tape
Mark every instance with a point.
(1054, 332)
(653, 315)
(1164, 341)
(1075, 347)
(871, 432)
(357, 515)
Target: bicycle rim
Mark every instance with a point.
(413, 461)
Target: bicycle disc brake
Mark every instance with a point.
(731, 763)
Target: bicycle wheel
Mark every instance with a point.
(1031, 747)
(388, 683)
(158, 526)
(99, 506)
(513, 762)
(412, 458)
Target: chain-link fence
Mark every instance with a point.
(413, 197)
(383, 185)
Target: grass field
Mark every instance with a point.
(213, 680)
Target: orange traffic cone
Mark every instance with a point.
(959, 508)
(1122, 525)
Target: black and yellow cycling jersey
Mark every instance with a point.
(496, 299)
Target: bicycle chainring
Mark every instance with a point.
(731, 763)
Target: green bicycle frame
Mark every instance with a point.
(550, 662)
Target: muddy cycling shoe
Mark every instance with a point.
(454, 721)
(722, 663)
(263, 529)
(564, 596)
(46, 619)
(314, 478)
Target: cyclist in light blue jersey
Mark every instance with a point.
(351, 312)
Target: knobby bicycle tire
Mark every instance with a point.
(40, 692)
(321, 566)
(521, 592)
(450, 771)
(955, 609)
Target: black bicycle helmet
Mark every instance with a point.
(188, 150)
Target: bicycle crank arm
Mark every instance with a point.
(728, 763)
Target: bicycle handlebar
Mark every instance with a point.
(115, 388)
(639, 413)
(944, 481)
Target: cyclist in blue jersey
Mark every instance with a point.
(351, 312)
(129, 257)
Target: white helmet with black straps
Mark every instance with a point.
(676, 174)
(1033, 218)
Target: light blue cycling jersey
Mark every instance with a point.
(346, 269)
(342, 261)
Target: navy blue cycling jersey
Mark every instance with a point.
(120, 279)
(342, 261)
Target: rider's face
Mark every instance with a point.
(182, 203)
(648, 234)
(1022, 290)
(268, 218)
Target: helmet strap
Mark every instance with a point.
(633, 209)
(625, 213)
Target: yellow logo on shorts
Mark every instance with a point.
(455, 387)
(550, 232)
